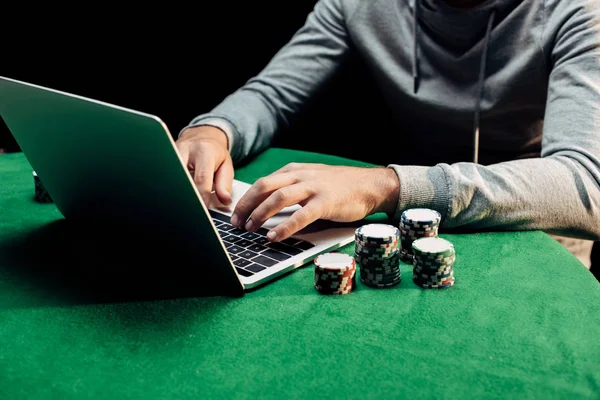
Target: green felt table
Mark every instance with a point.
(522, 321)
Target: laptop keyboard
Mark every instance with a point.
(251, 252)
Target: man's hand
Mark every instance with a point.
(335, 193)
(204, 151)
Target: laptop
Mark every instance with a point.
(103, 162)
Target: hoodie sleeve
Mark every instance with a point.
(559, 192)
(266, 103)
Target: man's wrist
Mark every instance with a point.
(388, 186)
(207, 132)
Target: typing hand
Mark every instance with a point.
(335, 193)
(204, 150)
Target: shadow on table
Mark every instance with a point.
(65, 263)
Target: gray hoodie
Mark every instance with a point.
(512, 85)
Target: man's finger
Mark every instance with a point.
(223, 182)
(257, 193)
(184, 154)
(279, 199)
(293, 166)
(204, 171)
(300, 219)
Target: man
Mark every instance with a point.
(501, 98)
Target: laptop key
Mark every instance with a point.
(237, 231)
(254, 268)
(234, 249)
(262, 231)
(275, 254)
(250, 235)
(261, 240)
(290, 241)
(244, 242)
(243, 272)
(227, 227)
(285, 248)
(256, 247)
(247, 254)
(304, 245)
(240, 262)
(231, 238)
(265, 261)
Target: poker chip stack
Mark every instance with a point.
(376, 251)
(416, 223)
(335, 273)
(41, 195)
(433, 263)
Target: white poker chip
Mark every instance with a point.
(335, 261)
(432, 245)
(378, 231)
(421, 215)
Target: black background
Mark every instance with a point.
(179, 60)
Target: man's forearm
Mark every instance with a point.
(554, 194)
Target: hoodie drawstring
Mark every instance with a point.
(415, 66)
(480, 83)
